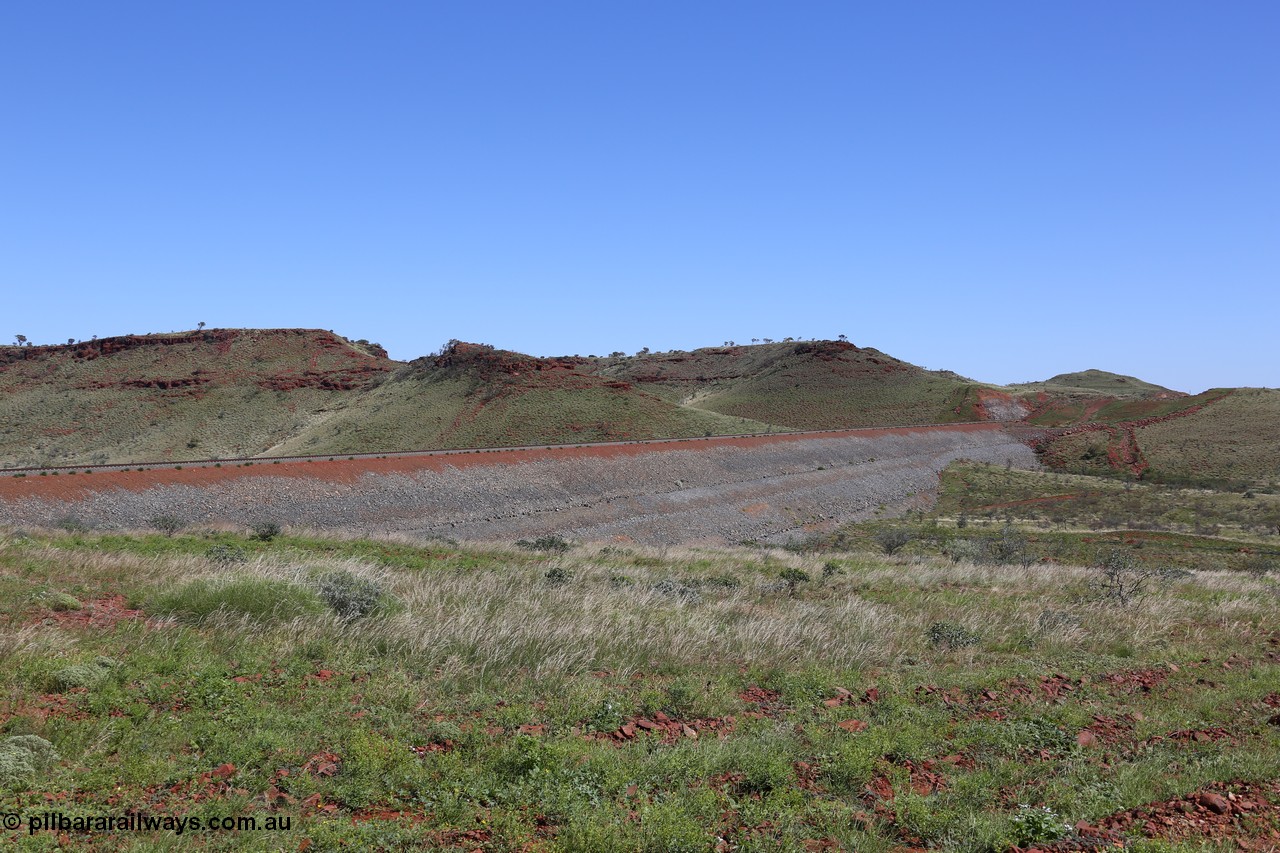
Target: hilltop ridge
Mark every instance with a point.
(220, 393)
(803, 384)
(1104, 382)
(212, 392)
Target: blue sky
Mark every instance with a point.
(1009, 190)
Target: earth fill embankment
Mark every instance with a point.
(762, 488)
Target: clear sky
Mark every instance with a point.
(1009, 190)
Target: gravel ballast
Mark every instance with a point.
(719, 490)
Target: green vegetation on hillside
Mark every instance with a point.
(219, 393)
(1236, 438)
(803, 385)
(1099, 381)
(1075, 409)
(1222, 438)
(620, 699)
(1056, 518)
(196, 395)
(229, 393)
(485, 398)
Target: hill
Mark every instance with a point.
(472, 395)
(223, 393)
(1223, 437)
(802, 385)
(1102, 382)
(190, 395)
(1236, 438)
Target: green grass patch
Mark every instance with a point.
(905, 701)
(262, 599)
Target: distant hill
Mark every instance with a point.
(221, 393)
(478, 396)
(1223, 437)
(1103, 382)
(244, 392)
(803, 385)
(1237, 438)
(202, 394)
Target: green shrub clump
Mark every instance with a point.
(550, 542)
(22, 757)
(84, 674)
(1034, 825)
(265, 531)
(59, 601)
(226, 555)
(557, 576)
(348, 594)
(792, 578)
(891, 541)
(167, 524)
(670, 588)
(949, 635)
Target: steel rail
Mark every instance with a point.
(242, 461)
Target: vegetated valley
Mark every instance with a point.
(1048, 624)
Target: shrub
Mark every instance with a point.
(667, 827)
(967, 550)
(84, 675)
(1011, 547)
(762, 772)
(262, 599)
(550, 542)
(1120, 579)
(348, 594)
(1033, 825)
(167, 524)
(72, 524)
(890, 541)
(800, 546)
(558, 576)
(720, 582)
(949, 635)
(59, 601)
(22, 757)
(1259, 564)
(1056, 620)
(677, 589)
(793, 578)
(605, 718)
(265, 531)
(680, 698)
(226, 554)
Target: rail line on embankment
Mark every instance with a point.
(245, 461)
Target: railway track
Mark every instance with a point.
(400, 454)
